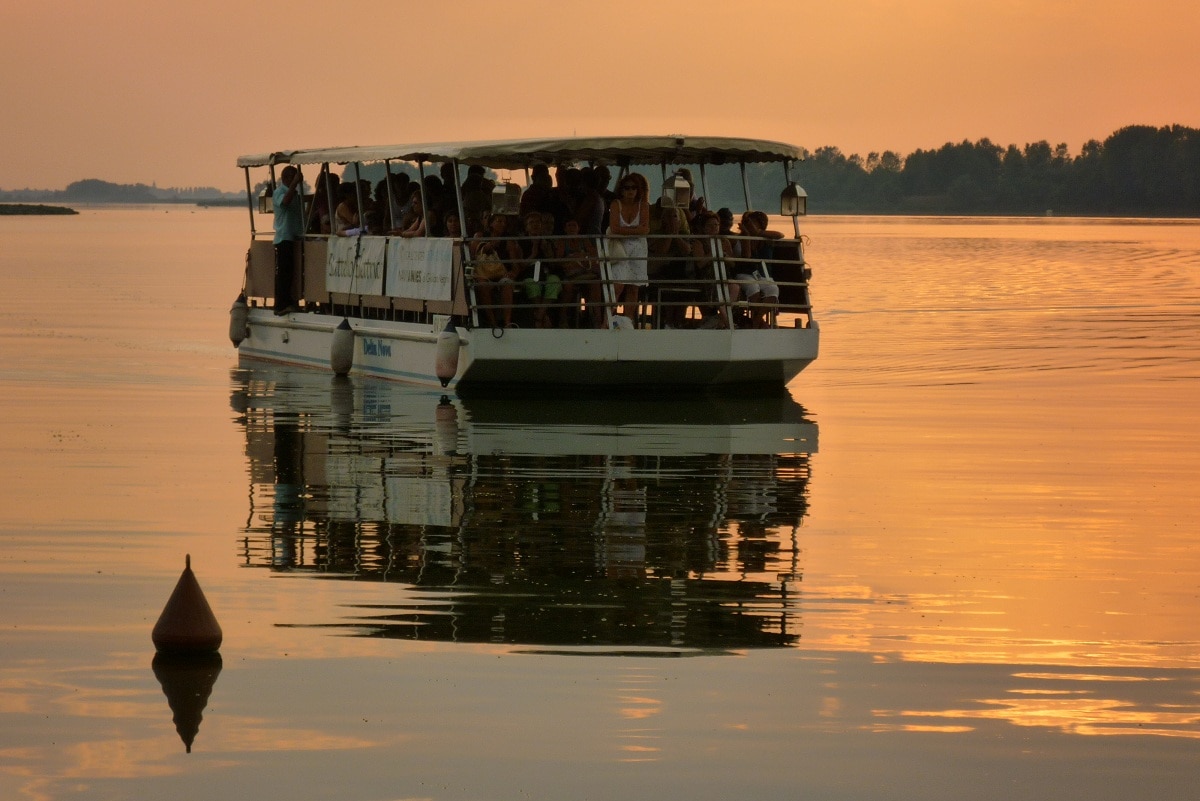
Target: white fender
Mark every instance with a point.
(446, 361)
(239, 319)
(341, 349)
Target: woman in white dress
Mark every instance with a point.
(628, 225)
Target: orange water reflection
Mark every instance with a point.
(995, 542)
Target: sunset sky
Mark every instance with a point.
(171, 93)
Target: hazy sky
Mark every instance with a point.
(172, 92)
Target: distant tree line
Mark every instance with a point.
(93, 190)
(1139, 170)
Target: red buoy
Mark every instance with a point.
(187, 624)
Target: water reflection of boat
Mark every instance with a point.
(575, 523)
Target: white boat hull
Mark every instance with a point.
(589, 357)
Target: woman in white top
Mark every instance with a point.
(628, 224)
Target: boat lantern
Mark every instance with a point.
(506, 199)
(266, 203)
(793, 201)
(676, 192)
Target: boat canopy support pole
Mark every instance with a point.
(328, 196)
(462, 210)
(387, 182)
(745, 185)
(424, 199)
(358, 195)
(250, 201)
(462, 230)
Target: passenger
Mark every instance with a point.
(321, 219)
(373, 222)
(418, 221)
(706, 251)
(696, 205)
(408, 213)
(601, 176)
(495, 258)
(432, 204)
(568, 194)
(542, 282)
(447, 199)
(381, 201)
(629, 223)
(398, 201)
(289, 229)
(670, 264)
(591, 207)
(751, 271)
(346, 219)
(726, 218)
(581, 276)
(536, 196)
(477, 199)
(560, 204)
(452, 228)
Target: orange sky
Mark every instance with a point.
(172, 93)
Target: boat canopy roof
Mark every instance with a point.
(522, 153)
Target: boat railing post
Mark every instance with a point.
(722, 282)
(608, 301)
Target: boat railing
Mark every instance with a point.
(692, 281)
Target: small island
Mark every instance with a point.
(33, 208)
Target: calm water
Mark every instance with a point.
(960, 560)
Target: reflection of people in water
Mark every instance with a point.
(288, 505)
(621, 525)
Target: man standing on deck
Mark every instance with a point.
(289, 229)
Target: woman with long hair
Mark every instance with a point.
(628, 225)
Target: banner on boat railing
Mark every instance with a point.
(420, 268)
(414, 268)
(355, 264)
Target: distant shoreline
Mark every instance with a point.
(14, 209)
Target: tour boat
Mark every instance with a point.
(411, 308)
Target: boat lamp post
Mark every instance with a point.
(676, 192)
(793, 201)
(506, 199)
(266, 203)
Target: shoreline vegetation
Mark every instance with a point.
(1138, 171)
(16, 209)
